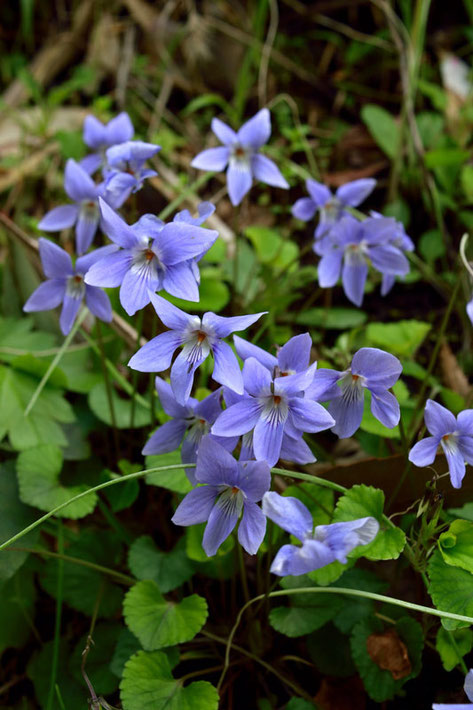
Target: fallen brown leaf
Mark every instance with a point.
(389, 652)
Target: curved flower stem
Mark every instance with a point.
(334, 590)
(106, 484)
(57, 623)
(56, 360)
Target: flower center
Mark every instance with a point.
(90, 210)
(149, 255)
(277, 399)
(201, 336)
(235, 490)
(75, 287)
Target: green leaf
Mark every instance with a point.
(99, 404)
(379, 683)
(147, 684)
(105, 637)
(456, 545)
(14, 516)
(174, 480)
(72, 693)
(38, 472)
(82, 586)
(382, 127)
(299, 704)
(451, 589)
(127, 646)
(401, 338)
(18, 596)
(168, 569)
(431, 245)
(332, 318)
(453, 645)
(266, 242)
(355, 609)
(42, 425)
(445, 157)
(213, 296)
(159, 623)
(431, 126)
(362, 501)
(307, 612)
(330, 650)
(319, 500)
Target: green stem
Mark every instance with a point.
(99, 487)
(244, 580)
(55, 361)
(190, 191)
(335, 590)
(108, 389)
(57, 624)
(117, 376)
(139, 330)
(114, 523)
(123, 578)
(433, 358)
(461, 661)
(312, 479)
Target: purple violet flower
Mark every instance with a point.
(154, 256)
(270, 407)
(332, 207)
(126, 169)
(190, 424)
(231, 487)
(240, 153)
(371, 369)
(204, 210)
(293, 357)
(320, 546)
(85, 214)
(348, 249)
(293, 446)
(468, 688)
(398, 239)
(455, 436)
(99, 137)
(65, 284)
(199, 337)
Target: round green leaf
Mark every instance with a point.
(159, 623)
(38, 472)
(168, 569)
(361, 501)
(147, 684)
(456, 545)
(122, 408)
(451, 589)
(453, 645)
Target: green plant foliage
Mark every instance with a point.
(299, 704)
(168, 569)
(307, 612)
(382, 127)
(14, 516)
(453, 645)
(379, 683)
(127, 645)
(38, 472)
(43, 423)
(83, 585)
(148, 684)
(332, 318)
(18, 596)
(159, 623)
(105, 638)
(319, 500)
(361, 501)
(451, 589)
(214, 295)
(122, 408)
(330, 650)
(355, 609)
(401, 338)
(456, 545)
(174, 480)
(73, 694)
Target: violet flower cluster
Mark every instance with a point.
(347, 246)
